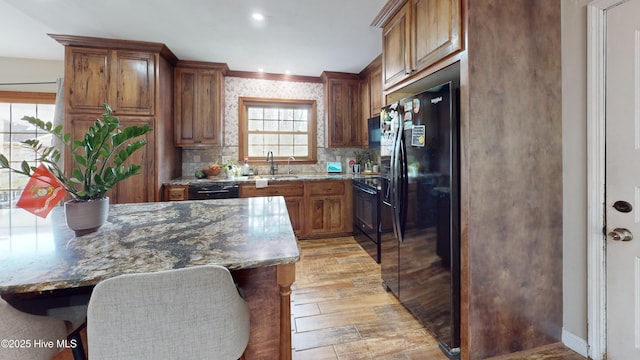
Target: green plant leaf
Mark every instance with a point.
(4, 162)
(77, 174)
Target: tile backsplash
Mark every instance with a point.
(235, 87)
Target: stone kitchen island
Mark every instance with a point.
(252, 237)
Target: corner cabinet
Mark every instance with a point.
(421, 33)
(199, 103)
(344, 125)
(134, 78)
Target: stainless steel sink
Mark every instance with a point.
(283, 177)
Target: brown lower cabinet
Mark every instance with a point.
(316, 208)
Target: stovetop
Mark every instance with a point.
(374, 183)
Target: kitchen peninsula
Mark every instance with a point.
(252, 237)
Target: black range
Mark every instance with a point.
(366, 214)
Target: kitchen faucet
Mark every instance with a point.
(289, 164)
(270, 158)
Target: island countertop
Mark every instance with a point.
(43, 254)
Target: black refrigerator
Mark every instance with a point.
(420, 211)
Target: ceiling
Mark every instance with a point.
(304, 37)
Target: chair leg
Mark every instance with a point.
(78, 350)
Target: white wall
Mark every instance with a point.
(574, 143)
(13, 70)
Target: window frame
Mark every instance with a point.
(25, 97)
(243, 127)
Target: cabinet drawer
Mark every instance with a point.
(175, 193)
(289, 189)
(326, 188)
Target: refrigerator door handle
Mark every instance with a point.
(397, 184)
(402, 187)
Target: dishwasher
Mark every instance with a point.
(213, 191)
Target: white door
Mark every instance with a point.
(623, 180)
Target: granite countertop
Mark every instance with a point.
(43, 254)
(270, 178)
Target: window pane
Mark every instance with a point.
(301, 139)
(286, 139)
(300, 126)
(256, 151)
(300, 151)
(255, 113)
(20, 110)
(257, 139)
(286, 150)
(271, 126)
(255, 125)
(271, 114)
(270, 139)
(286, 114)
(286, 126)
(5, 117)
(300, 114)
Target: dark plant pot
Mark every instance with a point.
(86, 216)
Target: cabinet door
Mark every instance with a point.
(134, 83)
(328, 215)
(435, 31)
(375, 91)
(198, 107)
(138, 188)
(209, 107)
(135, 189)
(87, 79)
(395, 48)
(185, 106)
(344, 120)
(295, 207)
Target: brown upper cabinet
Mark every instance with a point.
(199, 103)
(123, 79)
(419, 34)
(344, 126)
(135, 78)
(372, 88)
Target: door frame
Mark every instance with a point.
(596, 126)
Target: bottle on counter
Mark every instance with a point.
(245, 167)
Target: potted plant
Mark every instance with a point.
(98, 164)
(361, 157)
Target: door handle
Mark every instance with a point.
(621, 234)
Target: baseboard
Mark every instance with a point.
(575, 343)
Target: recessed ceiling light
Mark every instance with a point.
(261, 70)
(257, 16)
(288, 72)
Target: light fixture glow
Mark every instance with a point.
(258, 16)
(261, 70)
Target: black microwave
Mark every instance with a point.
(374, 132)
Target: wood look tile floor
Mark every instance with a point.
(340, 311)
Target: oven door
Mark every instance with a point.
(365, 219)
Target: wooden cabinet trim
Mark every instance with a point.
(103, 43)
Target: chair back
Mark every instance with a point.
(189, 313)
(23, 329)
